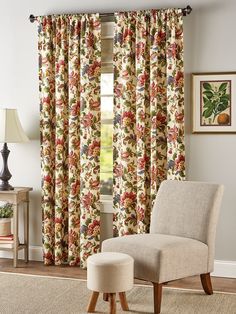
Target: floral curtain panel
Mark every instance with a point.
(148, 112)
(69, 77)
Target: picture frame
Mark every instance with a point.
(214, 102)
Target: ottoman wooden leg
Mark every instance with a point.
(93, 302)
(105, 297)
(123, 301)
(112, 299)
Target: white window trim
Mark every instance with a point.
(106, 202)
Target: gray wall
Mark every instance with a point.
(209, 46)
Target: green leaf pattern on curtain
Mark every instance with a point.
(148, 112)
(69, 83)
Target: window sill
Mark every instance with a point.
(106, 204)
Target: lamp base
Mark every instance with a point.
(5, 174)
(5, 186)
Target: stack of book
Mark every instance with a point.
(6, 241)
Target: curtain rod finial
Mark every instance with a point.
(32, 18)
(188, 10)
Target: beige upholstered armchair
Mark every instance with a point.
(181, 239)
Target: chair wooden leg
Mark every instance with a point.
(93, 301)
(157, 293)
(112, 299)
(206, 283)
(105, 297)
(123, 301)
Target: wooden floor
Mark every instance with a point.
(37, 268)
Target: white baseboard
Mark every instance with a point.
(222, 268)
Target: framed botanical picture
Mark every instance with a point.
(214, 102)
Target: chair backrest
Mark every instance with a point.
(188, 209)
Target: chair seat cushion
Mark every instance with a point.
(161, 258)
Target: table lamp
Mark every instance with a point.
(11, 131)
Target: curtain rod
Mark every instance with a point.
(185, 12)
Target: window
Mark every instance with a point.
(106, 133)
(106, 159)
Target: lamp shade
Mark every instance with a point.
(11, 130)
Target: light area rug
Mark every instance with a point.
(26, 294)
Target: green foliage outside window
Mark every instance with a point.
(106, 159)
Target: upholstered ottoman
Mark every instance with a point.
(109, 273)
